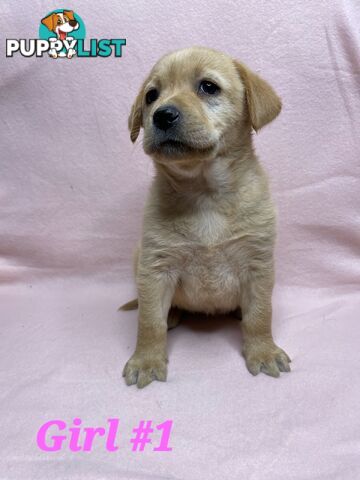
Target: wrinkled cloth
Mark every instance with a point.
(72, 192)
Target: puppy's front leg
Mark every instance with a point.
(260, 352)
(149, 360)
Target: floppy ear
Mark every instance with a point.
(263, 103)
(135, 117)
(49, 21)
(69, 14)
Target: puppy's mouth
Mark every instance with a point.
(171, 147)
(175, 145)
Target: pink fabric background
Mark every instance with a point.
(72, 191)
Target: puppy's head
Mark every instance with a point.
(61, 23)
(195, 101)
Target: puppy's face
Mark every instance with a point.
(61, 23)
(194, 101)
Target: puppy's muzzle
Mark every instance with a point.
(166, 117)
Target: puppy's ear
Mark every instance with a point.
(49, 21)
(69, 14)
(135, 118)
(263, 103)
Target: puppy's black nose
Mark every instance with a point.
(166, 117)
(73, 23)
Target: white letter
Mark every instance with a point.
(30, 52)
(11, 47)
(41, 47)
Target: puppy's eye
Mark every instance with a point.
(209, 88)
(59, 21)
(151, 96)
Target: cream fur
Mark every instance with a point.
(209, 222)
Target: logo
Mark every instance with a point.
(62, 35)
(66, 28)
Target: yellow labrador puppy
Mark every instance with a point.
(209, 223)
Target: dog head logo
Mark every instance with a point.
(66, 26)
(61, 23)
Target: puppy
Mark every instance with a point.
(209, 222)
(61, 24)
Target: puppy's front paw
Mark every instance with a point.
(266, 357)
(142, 369)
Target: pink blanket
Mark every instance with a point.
(72, 192)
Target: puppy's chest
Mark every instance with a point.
(207, 253)
(208, 228)
(210, 239)
(211, 260)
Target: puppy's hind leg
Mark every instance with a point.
(174, 317)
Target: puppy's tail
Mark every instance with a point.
(132, 305)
